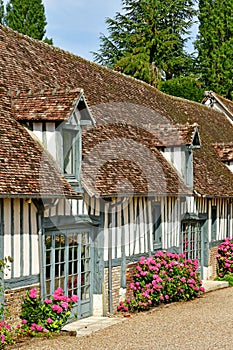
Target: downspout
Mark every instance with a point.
(41, 258)
(40, 223)
(110, 263)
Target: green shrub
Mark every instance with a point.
(6, 334)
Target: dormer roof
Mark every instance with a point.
(51, 105)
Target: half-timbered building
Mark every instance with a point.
(98, 169)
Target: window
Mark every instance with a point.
(157, 227)
(191, 240)
(70, 152)
(213, 223)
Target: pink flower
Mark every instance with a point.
(33, 326)
(64, 305)
(2, 338)
(144, 273)
(49, 320)
(58, 291)
(33, 293)
(66, 299)
(161, 297)
(166, 297)
(57, 308)
(48, 301)
(74, 298)
(39, 328)
(57, 297)
(24, 321)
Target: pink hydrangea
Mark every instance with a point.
(57, 308)
(74, 298)
(39, 328)
(2, 338)
(33, 294)
(49, 320)
(64, 305)
(48, 301)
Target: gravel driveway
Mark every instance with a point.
(201, 324)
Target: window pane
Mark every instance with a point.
(69, 151)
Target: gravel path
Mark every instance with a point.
(201, 324)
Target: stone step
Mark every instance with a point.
(214, 285)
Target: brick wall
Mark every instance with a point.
(130, 271)
(116, 285)
(13, 302)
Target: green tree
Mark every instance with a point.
(189, 87)
(148, 39)
(1, 12)
(27, 17)
(214, 45)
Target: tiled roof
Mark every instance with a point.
(25, 168)
(120, 158)
(225, 151)
(28, 64)
(50, 105)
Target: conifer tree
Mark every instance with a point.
(215, 45)
(147, 40)
(27, 17)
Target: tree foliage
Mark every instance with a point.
(1, 12)
(189, 87)
(27, 17)
(147, 40)
(215, 45)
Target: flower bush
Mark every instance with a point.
(225, 257)
(163, 278)
(44, 316)
(6, 334)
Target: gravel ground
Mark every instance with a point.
(201, 324)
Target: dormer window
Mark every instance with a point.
(56, 118)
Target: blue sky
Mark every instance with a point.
(75, 25)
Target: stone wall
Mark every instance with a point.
(213, 261)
